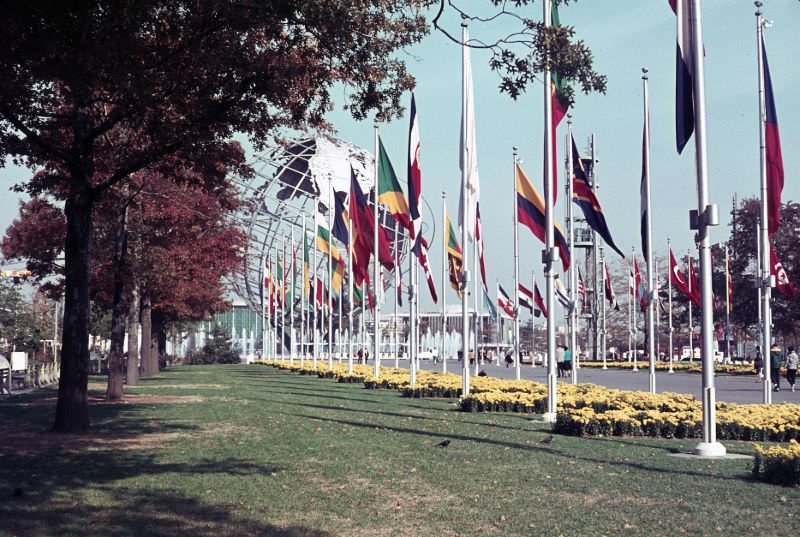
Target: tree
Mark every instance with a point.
(217, 349)
(83, 79)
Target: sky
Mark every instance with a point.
(624, 36)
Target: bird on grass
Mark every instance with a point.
(547, 439)
(443, 443)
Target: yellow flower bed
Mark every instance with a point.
(683, 367)
(780, 465)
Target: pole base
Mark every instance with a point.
(549, 417)
(605, 367)
(709, 449)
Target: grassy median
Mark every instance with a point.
(238, 450)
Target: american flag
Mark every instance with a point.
(582, 291)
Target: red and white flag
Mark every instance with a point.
(504, 301)
(582, 291)
(479, 238)
(781, 278)
(609, 289)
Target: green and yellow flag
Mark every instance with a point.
(390, 193)
(455, 257)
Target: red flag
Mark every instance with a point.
(639, 288)
(772, 147)
(479, 239)
(694, 286)
(504, 301)
(781, 278)
(362, 233)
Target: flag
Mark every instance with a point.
(694, 286)
(390, 193)
(489, 306)
(504, 302)
(677, 277)
(414, 173)
(281, 283)
(781, 278)
(561, 295)
(468, 158)
(525, 298)
(538, 300)
(530, 213)
(585, 198)
(609, 289)
(341, 219)
(684, 73)
(455, 257)
(559, 103)
(772, 146)
(363, 229)
(338, 266)
(420, 245)
(582, 291)
(644, 187)
(399, 289)
(639, 286)
(479, 239)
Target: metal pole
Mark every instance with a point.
(304, 299)
(572, 315)
(707, 216)
(603, 309)
(464, 231)
(549, 272)
(634, 313)
(264, 299)
(292, 349)
(533, 319)
(331, 194)
(475, 284)
(339, 344)
(412, 323)
(315, 309)
(445, 265)
(283, 301)
(397, 295)
(651, 302)
(727, 304)
(691, 322)
(376, 267)
(515, 220)
(764, 283)
(671, 330)
(350, 327)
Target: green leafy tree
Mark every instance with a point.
(218, 349)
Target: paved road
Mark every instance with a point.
(732, 389)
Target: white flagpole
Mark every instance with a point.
(602, 309)
(573, 273)
(475, 288)
(304, 239)
(727, 304)
(631, 283)
(765, 284)
(376, 270)
(350, 327)
(651, 340)
(329, 312)
(417, 333)
(339, 343)
(707, 215)
(397, 295)
(533, 319)
(283, 302)
(292, 350)
(515, 221)
(315, 309)
(264, 299)
(635, 313)
(274, 309)
(466, 201)
(412, 323)
(445, 265)
(669, 287)
(549, 272)
(691, 324)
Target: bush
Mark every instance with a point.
(217, 350)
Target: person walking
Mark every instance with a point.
(560, 360)
(758, 365)
(567, 362)
(791, 363)
(776, 361)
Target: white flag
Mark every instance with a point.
(468, 157)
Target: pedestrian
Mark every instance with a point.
(758, 364)
(560, 355)
(509, 357)
(567, 362)
(791, 364)
(776, 360)
(360, 355)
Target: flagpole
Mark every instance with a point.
(549, 273)
(283, 302)
(350, 327)
(477, 278)
(533, 318)
(602, 309)
(376, 275)
(651, 340)
(264, 299)
(572, 274)
(765, 284)
(339, 344)
(727, 304)
(331, 194)
(464, 284)
(412, 371)
(634, 308)
(517, 360)
(691, 323)
(397, 295)
(304, 239)
(445, 264)
(669, 284)
(417, 337)
(707, 215)
(315, 309)
(274, 308)
(292, 350)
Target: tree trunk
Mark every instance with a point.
(72, 409)
(133, 339)
(159, 332)
(147, 324)
(119, 307)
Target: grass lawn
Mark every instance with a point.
(249, 450)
